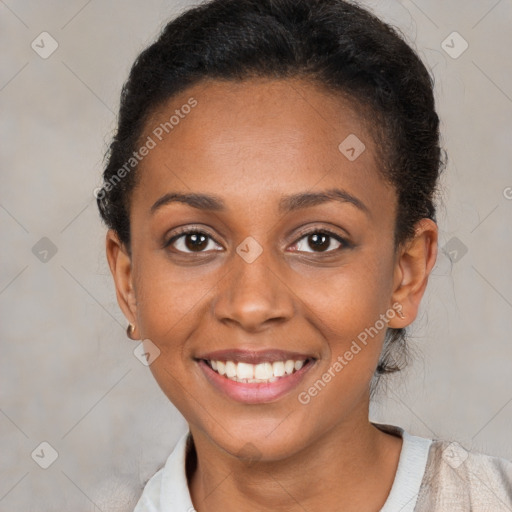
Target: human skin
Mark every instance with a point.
(251, 143)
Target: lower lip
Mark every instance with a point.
(252, 392)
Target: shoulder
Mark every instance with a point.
(457, 479)
(150, 497)
(167, 489)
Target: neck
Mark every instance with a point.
(354, 463)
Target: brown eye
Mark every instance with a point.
(192, 241)
(196, 241)
(319, 241)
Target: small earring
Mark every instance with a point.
(130, 330)
(401, 314)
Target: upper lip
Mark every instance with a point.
(253, 356)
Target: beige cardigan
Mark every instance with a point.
(456, 480)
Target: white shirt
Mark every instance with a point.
(432, 476)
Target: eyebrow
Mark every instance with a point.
(287, 204)
(307, 199)
(199, 201)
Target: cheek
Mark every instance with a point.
(351, 306)
(168, 297)
(169, 302)
(347, 311)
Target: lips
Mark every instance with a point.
(255, 376)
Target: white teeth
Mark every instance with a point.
(230, 369)
(289, 366)
(263, 371)
(244, 371)
(256, 373)
(278, 368)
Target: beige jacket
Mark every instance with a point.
(457, 480)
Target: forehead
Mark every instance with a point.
(241, 137)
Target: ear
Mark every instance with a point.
(413, 266)
(120, 265)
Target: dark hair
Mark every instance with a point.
(334, 44)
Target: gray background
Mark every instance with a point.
(68, 375)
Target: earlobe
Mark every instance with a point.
(120, 265)
(413, 267)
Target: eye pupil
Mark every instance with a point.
(196, 241)
(319, 241)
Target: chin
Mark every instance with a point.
(271, 441)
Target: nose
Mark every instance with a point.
(253, 295)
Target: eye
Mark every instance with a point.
(320, 241)
(192, 240)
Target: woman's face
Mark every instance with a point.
(290, 258)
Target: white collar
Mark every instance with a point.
(167, 490)
(409, 474)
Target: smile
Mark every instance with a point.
(256, 373)
(254, 377)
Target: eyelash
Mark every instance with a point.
(345, 244)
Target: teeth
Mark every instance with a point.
(230, 369)
(255, 373)
(278, 368)
(243, 370)
(263, 371)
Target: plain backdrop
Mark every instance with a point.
(68, 375)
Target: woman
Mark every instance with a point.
(270, 197)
